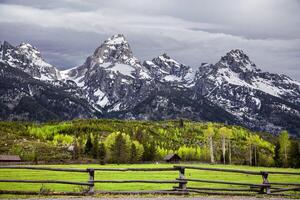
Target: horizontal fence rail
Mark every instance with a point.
(45, 168)
(45, 181)
(136, 169)
(220, 170)
(265, 187)
(223, 182)
(139, 181)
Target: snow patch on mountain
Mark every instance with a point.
(126, 70)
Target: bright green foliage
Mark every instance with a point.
(189, 153)
(62, 140)
(209, 134)
(284, 143)
(118, 146)
(194, 141)
(120, 150)
(161, 152)
(48, 132)
(139, 150)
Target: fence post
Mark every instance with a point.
(265, 181)
(91, 180)
(181, 170)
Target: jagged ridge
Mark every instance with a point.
(117, 84)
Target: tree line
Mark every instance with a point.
(129, 141)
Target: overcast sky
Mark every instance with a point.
(191, 31)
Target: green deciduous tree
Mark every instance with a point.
(252, 141)
(225, 133)
(209, 134)
(284, 143)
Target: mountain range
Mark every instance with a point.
(113, 83)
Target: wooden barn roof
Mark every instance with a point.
(170, 156)
(10, 158)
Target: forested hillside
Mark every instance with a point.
(121, 141)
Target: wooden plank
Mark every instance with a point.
(140, 181)
(224, 182)
(279, 183)
(136, 169)
(221, 170)
(285, 189)
(44, 168)
(287, 173)
(46, 181)
(237, 170)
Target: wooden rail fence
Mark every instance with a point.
(265, 187)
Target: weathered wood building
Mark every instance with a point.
(172, 158)
(9, 159)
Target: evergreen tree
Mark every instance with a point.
(295, 154)
(88, 145)
(133, 154)
(181, 123)
(139, 136)
(277, 159)
(102, 153)
(119, 150)
(149, 152)
(95, 149)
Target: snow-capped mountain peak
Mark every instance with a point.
(114, 49)
(238, 62)
(29, 59)
(28, 49)
(235, 68)
(116, 39)
(166, 69)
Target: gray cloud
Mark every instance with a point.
(192, 31)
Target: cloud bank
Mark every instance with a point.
(192, 31)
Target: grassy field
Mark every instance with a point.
(83, 177)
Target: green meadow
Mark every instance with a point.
(21, 174)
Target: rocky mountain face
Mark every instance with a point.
(28, 59)
(260, 100)
(112, 83)
(30, 89)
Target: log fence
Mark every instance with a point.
(265, 187)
